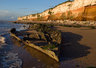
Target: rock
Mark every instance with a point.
(46, 32)
(56, 36)
(34, 26)
(2, 39)
(13, 30)
(34, 36)
(49, 34)
(42, 35)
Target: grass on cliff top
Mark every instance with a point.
(58, 5)
(63, 3)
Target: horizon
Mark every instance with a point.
(10, 10)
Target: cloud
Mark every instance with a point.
(3, 12)
(8, 15)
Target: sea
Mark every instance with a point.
(8, 59)
(6, 26)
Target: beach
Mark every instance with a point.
(48, 34)
(80, 47)
(78, 50)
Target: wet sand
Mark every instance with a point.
(33, 58)
(79, 49)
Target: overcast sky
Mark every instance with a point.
(11, 9)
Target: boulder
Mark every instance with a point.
(42, 35)
(13, 30)
(34, 36)
(55, 36)
(47, 33)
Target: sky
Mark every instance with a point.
(11, 9)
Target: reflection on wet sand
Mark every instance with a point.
(34, 57)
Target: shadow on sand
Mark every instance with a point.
(71, 48)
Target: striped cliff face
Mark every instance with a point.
(77, 8)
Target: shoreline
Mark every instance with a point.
(80, 39)
(59, 22)
(8, 58)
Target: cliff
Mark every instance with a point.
(74, 10)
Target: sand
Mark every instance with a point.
(79, 47)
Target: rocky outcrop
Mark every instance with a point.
(46, 33)
(77, 8)
(40, 37)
